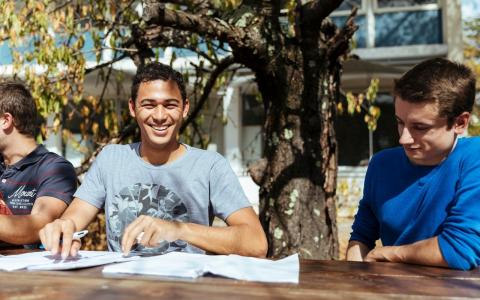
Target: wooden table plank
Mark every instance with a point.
(318, 280)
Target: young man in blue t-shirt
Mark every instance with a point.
(422, 199)
(35, 185)
(161, 195)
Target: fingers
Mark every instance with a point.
(375, 255)
(76, 244)
(152, 231)
(67, 231)
(51, 234)
(132, 232)
(148, 239)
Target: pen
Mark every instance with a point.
(79, 234)
(76, 236)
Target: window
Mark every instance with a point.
(389, 23)
(403, 3)
(408, 28)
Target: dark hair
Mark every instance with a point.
(448, 84)
(155, 71)
(16, 99)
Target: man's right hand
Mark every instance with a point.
(57, 237)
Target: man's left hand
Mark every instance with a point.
(387, 253)
(154, 231)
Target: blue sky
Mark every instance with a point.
(470, 9)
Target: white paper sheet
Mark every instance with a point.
(45, 261)
(179, 264)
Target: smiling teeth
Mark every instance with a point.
(160, 128)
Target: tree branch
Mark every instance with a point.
(222, 66)
(106, 64)
(159, 37)
(155, 13)
(339, 44)
(313, 13)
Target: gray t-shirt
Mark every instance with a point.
(195, 187)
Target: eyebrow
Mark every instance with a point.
(414, 123)
(150, 101)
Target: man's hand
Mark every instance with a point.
(51, 234)
(77, 216)
(356, 251)
(154, 231)
(425, 252)
(385, 254)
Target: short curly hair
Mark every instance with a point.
(157, 71)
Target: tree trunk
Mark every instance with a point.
(297, 193)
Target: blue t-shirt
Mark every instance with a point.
(404, 203)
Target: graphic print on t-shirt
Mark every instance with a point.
(145, 199)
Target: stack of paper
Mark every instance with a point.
(179, 264)
(46, 261)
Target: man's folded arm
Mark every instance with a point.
(23, 229)
(425, 252)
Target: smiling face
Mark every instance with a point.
(425, 136)
(159, 111)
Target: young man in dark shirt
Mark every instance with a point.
(35, 185)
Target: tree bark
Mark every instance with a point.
(297, 194)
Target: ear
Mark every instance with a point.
(461, 123)
(6, 121)
(131, 107)
(186, 108)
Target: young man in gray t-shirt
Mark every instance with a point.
(160, 195)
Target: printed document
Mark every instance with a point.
(44, 260)
(189, 265)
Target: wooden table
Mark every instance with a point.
(318, 280)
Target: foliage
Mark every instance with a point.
(56, 44)
(363, 102)
(472, 59)
(47, 40)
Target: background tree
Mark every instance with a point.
(472, 59)
(292, 48)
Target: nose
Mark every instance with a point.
(405, 137)
(159, 113)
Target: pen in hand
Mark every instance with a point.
(78, 235)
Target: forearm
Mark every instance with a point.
(356, 251)
(425, 252)
(80, 213)
(22, 229)
(239, 239)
